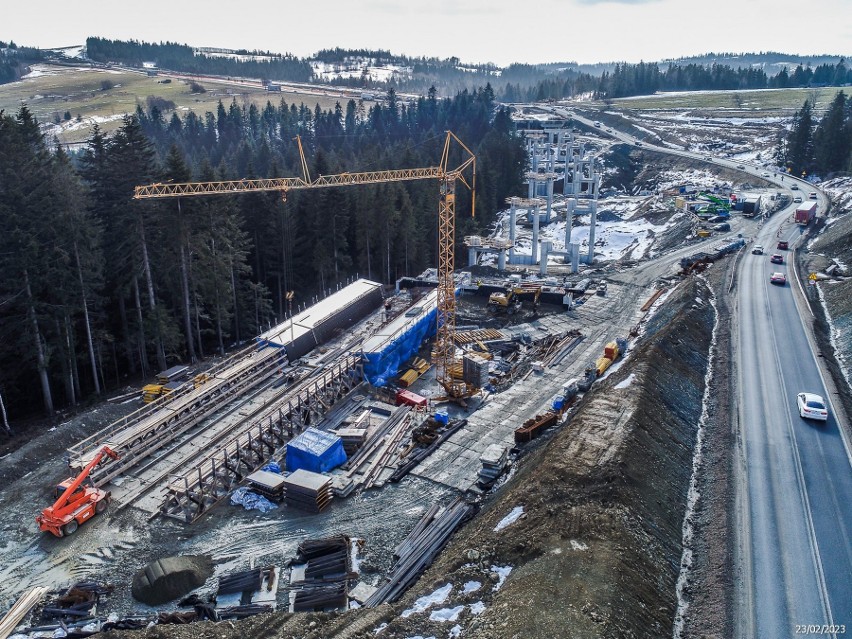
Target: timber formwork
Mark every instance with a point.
(149, 430)
(191, 495)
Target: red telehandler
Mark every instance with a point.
(77, 503)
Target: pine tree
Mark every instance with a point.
(832, 137)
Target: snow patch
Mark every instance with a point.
(626, 381)
(433, 599)
(693, 494)
(446, 614)
(477, 608)
(578, 545)
(471, 586)
(354, 545)
(455, 631)
(502, 573)
(509, 519)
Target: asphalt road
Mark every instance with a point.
(794, 507)
(796, 498)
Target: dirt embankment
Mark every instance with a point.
(597, 550)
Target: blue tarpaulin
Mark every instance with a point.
(316, 451)
(382, 366)
(251, 501)
(272, 467)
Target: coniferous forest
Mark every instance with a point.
(819, 146)
(96, 286)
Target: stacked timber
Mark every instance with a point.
(308, 491)
(418, 366)
(353, 439)
(20, 609)
(270, 485)
(417, 552)
(493, 462)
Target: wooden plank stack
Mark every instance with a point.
(307, 491)
(493, 463)
(20, 609)
(353, 439)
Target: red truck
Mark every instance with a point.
(806, 213)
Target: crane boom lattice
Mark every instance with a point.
(446, 320)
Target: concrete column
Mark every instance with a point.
(534, 210)
(512, 221)
(471, 256)
(591, 257)
(549, 199)
(594, 207)
(532, 183)
(575, 257)
(545, 249)
(501, 259)
(569, 221)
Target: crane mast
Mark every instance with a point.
(444, 352)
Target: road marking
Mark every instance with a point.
(800, 475)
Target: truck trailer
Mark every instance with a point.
(806, 212)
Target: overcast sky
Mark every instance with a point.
(499, 31)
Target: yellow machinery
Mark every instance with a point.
(445, 350)
(512, 298)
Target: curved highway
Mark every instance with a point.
(794, 476)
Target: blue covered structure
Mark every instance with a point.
(399, 341)
(316, 451)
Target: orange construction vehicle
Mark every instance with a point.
(76, 503)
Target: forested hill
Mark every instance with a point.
(95, 286)
(14, 60)
(515, 83)
(180, 57)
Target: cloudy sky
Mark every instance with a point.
(499, 31)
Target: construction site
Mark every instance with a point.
(325, 466)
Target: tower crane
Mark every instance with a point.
(444, 352)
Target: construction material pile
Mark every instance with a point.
(308, 491)
(247, 581)
(535, 426)
(493, 461)
(417, 552)
(320, 575)
(432, 433)
(316, 451)
(77, 602)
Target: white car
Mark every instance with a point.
(812, 406)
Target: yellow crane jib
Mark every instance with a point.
(444, 345)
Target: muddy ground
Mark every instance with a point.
(598, 548)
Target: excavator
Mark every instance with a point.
(512, 299)
(76, 503)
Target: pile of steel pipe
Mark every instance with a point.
(422, 453)
(354, 462)
(310, 596)
(246, 581)
(327, 574)
(418, 551)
